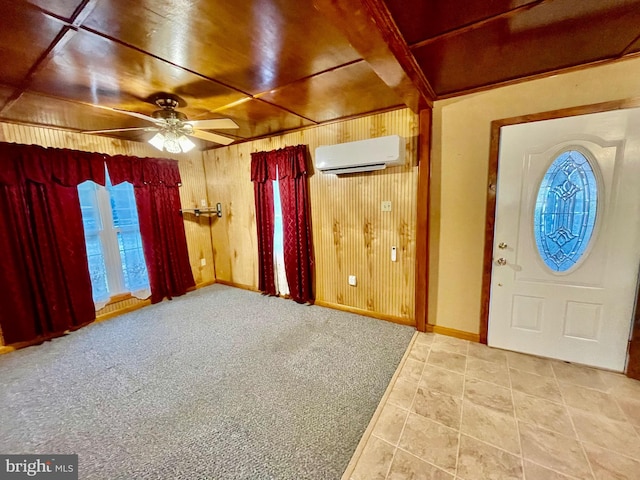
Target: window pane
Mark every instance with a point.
(97, 269)
(134, 268)
(87, 193)
(565, 211)
(89, 207)
(123, 205)
(125, 218)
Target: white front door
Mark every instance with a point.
(567, 238)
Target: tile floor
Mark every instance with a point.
(461, 410)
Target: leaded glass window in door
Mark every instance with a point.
(565, 211)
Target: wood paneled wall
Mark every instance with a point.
(193, 188)
(352, 236)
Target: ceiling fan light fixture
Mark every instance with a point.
(185, 143)
(157, 141)
(171, 144)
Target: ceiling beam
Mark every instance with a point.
(371, 30)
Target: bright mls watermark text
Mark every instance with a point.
(49, 467)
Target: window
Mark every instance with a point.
(565, 211)
(114, 245)
(282, 286)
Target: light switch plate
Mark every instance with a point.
(352, 280)
(203, 262)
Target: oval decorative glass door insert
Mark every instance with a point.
(565, 211)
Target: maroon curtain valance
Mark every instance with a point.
(69, 168)
(290, 162)
(143, 171)
(262, 168)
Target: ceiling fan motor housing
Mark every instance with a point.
(168, 112)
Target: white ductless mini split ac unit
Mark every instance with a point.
(362, 156)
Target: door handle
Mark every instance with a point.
(501, 261)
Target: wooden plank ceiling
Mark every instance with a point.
(277, 65)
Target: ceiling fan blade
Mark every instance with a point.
(110, 130)
(213, 124)
(138, 115)
(212, 137)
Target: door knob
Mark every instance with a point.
(502, 245)
(501, 261)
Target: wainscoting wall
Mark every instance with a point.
(352, 236)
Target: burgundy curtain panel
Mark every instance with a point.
(298, 243)
(290, 163)
(156, 184)
(262, 177)
(44, 280)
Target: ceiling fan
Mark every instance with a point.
(173, 128)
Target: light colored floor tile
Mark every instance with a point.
(419, 352)
(488, 395)
(620, 386)
(411, 371)
(593, 401)
(402, 393)
(631, 409)
(537, 385)
(441, 380)
(579, 375)
(406, 466)
(530, 364)
(488, 371)
(375, 460)
(477, 460)
(554, 451)
(438, 406)
(450, 344)
(390, 423)
(447, 360)
(430, 441)
(536, 472)
(425, 338)
(455, 396)
(610, 465)
(490, 426)
(489, 354)
(620, 437)
(543, 413)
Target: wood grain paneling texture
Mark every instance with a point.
(193, 188)
(352, 236)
